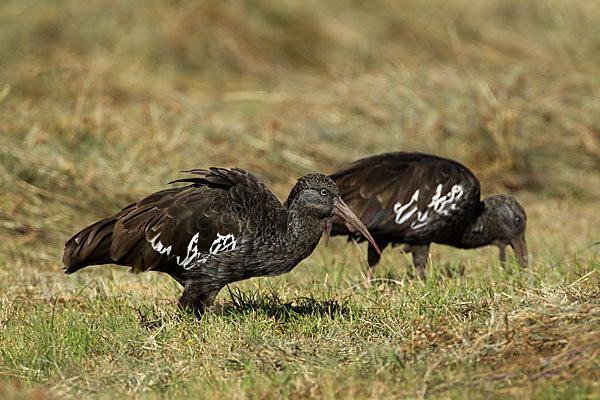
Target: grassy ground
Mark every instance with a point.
(102, 102)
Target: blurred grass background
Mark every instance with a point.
(104, 101)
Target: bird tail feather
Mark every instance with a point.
(91, 246)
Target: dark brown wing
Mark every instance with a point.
(169, 230)
(407, 195)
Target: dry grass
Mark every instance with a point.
(102, 102)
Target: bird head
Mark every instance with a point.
(319, 196)
(507, 226)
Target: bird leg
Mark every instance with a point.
(419, 254)
(373, 258)
(197, 298)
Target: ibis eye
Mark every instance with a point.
(324, 192)
(518, 220)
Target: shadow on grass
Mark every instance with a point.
(243, 304)
(270, 304)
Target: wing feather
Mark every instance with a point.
(162, 230)
(406, 195)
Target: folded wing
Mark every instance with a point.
(407, 194)
(170, 230)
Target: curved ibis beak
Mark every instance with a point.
(519, 245)
(342, 210)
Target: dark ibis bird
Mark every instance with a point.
(223, 227)
(416, 199)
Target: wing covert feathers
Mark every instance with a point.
(156, 231)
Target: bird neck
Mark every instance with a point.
(477, 233)
(303, 226)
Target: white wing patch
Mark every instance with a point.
(221, 244)
(441, 205)
(158, 246)
(192, 252)
(399, 209)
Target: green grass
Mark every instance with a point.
(105, 333)
(102, 102)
